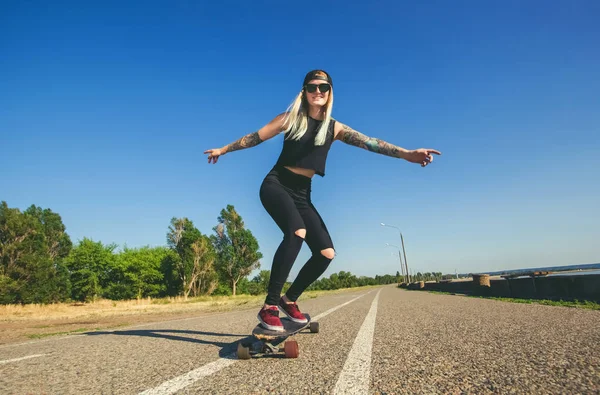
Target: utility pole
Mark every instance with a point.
(403, 250)
(400, 258)
(402, 238)
(401, 265)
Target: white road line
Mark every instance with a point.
(131, 327)
(180, 382)
(356, 374)
(21, 359)
(318, 317)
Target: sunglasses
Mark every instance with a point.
(312, 88)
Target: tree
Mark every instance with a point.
(334, 281)
(32, 246)
(137, 273)
(236, 247)
(91, 265)
(262, 280)
(204, 279)
(346, 280)
(58, 241)
(195, 265)
(17, 238)
(58, 245)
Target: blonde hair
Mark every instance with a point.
(296, 119)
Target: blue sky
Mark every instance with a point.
(106, 110)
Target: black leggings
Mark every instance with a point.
(286, 197)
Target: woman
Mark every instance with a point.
(285, 192)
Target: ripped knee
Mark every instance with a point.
(328, 253)
(300, 233)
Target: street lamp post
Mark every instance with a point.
(403, 250)
(400, 258)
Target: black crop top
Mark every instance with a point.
(304, 153)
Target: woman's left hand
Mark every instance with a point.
(422, 155)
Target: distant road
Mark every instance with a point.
(384, 340)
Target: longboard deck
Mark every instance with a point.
(289, 328)
(268, 342)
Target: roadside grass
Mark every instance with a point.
(584, 304)
(43, 335)
(109, 308)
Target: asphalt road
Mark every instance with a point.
(384, 340)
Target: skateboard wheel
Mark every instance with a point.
(291, 349)
(314, 327)
(243, 352)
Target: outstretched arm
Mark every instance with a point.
(357, 139)
(352, 137)
(250, 140)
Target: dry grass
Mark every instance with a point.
(110, 308)
(107, 308)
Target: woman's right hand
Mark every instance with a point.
(213, 154)
(249, 140)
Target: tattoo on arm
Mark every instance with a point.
(249, 140)
(352, 137)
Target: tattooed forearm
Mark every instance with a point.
(249, 140)
(352, 137)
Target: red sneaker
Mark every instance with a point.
(292, 311)
(269, 318)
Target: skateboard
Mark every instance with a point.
(266, 342)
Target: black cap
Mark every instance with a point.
(317, 75)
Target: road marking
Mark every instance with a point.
(180, 382)
(337, 307)
(21, 359)
(356, 374)
(139, 326)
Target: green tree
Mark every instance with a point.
(262, 280)
(169, 268)
(236, 247)
(32, 246)
(334, 281)
(58, 246)
(91, 265)
(346, 280)
(245, 287)
(195, 266)
(204, 278)
(137, 273)
(58, 241)
(257, 286)
(18, 234)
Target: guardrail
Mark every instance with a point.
(533, 286)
